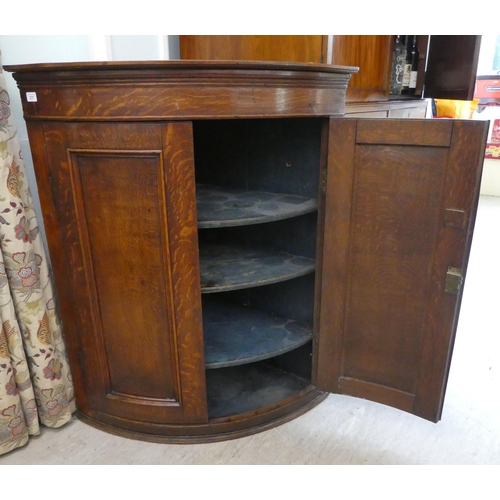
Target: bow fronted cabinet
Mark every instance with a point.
(228, 248)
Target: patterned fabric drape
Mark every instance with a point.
(35, 382)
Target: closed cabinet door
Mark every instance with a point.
(121, 224)
(401, 198)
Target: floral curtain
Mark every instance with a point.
(35, 381)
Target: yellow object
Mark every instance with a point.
(450, 108)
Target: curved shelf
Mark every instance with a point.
(236, 335)
(240, 389)
(224, 268)
(224, 207)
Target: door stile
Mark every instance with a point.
(460, 201)
(184, 268)
(337, 220)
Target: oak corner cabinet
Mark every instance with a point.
(228, 249)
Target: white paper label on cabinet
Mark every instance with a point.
(31, 97)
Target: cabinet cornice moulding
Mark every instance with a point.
(178, 89)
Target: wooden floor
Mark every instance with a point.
(344, 430)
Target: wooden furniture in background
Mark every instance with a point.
(284, 48)
(452, 66)
(411, 108)
(450, 72)
(373, 55)
(227, 248)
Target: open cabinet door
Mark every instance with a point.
(401, 198)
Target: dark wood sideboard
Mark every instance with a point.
(228, 248)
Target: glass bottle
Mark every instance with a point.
(398, 61)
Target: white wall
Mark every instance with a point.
(490, 182)
(486, 55)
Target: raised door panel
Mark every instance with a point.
(123, 197)
(400, 207)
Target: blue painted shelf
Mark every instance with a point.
(224, 207)
(227, 267)
(235, 334)
(246, 388)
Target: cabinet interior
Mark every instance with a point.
(257, 199)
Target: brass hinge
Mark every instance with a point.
(454, 280)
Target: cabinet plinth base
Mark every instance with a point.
(215, 430)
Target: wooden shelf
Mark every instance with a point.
(224, 267)
(240, 389)
(223, 207)
(235, 334)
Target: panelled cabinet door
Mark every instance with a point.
(400, 205)
(121, 226)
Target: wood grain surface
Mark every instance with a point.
(114, 209)
(179, 90)
(391, 324)
(294, 48)
(118, 148)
